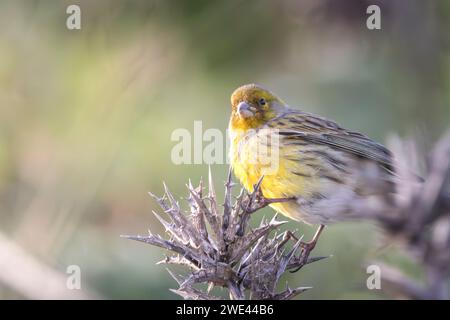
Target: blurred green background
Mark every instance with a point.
(86, 117)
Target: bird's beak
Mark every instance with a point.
(244, 110)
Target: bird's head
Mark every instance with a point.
(252, 106)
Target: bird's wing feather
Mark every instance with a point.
(315, 129)
(361, 147)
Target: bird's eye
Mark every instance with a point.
(262, 101)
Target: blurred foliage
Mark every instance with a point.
(86, 116)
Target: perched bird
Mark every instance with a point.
(320, 169)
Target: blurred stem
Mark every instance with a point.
(31, 278)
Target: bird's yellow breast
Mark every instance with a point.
(284, 175)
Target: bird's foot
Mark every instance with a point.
(252, 204)
(256, 200)
(307, 247)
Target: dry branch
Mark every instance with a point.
(221, 249)
(33, 279)
(418, 217)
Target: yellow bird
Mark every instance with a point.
(322, 169)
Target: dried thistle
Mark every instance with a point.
(419, 218)
(220, 248)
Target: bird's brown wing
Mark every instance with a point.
(315, 129)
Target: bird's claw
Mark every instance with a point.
(307, 247)
(256, 201)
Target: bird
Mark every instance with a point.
(309, 168)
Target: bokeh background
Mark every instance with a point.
(86, 118)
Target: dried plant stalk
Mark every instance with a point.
(419, 218)
(219, 247)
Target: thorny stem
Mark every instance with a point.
(256, 200)
(222, 249)
(419, 216)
